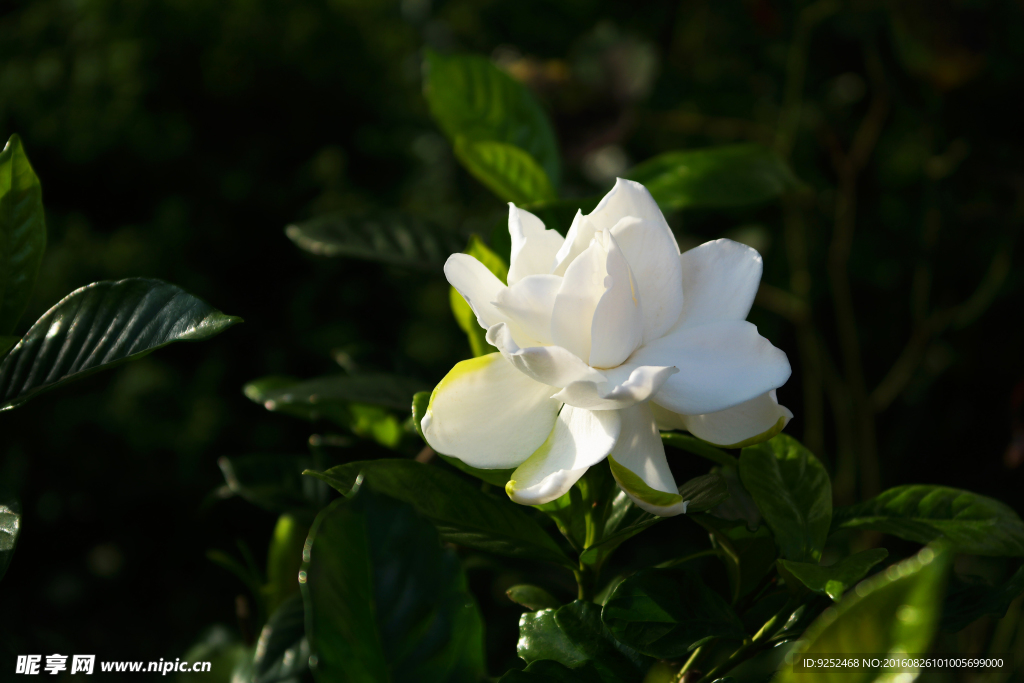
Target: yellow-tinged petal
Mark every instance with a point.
(746, 424)
(639, 466)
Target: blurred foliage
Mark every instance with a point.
(176, 139)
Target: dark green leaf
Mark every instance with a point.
(835, 579)
(793, 493)
(461, 512)
(573, 635)
(895, 611)
(547, 671)
(703, 493)
(472, 98)
(388, 391)
(282, 653)
(748, 555)
(272, 482)
(531, 597)
(973, 523)
(284, 557)
(22, 232)
(10, 528)
(99, 326)
(738, 506)
(385, 237)
(420, 401)
(732, 175)
(665, 613)
(692, 444)
(969, 600)
(505, 169)
(223, 650)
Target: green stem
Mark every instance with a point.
(755, 644)
(689, 663)
(683, 560)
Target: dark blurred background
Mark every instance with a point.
(176, 139)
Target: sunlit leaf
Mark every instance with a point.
(284, 556)
(973, 523)
(505, 169)
(531, 597)
(472, 98)
(461, 512)
(22, 233)
(385, 237)
(665, 613)
(384, 601)
(731, 175)
(793, 493)
(100, 326)
(835, 579)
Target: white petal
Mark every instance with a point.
(529, 303)
(551, 365)
(625, 386)
(652, 254)
(638, 463)
(581, 438)
(720, 365)
(753, 421)
(477, 285)
(533, 247)
(580, 234)
(597, 313)
(720, 280)
(488, 414)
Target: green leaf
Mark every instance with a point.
(505, 169)
(391, 238)
(22, 232)
(384, 602)
(893, 612)
(666, 613)
(272, 482)
(461, 512)
(420, 401)
(470, 97)
(718, 177)
(738, 506)
(748, 555)
(973, 523)
(284, 557)
(282, 655)
(574, 635)
(532, 598)
(835, 579)
(99, 326)
(6, 344)
(793, 493)
(704, 492)
(547, 671)
(969, 600)
(225, 653)
(10, 528)
(464, 315)
(692, 444)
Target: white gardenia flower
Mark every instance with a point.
(605, 336)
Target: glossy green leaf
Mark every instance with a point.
(505, 169)
(793, 493)
(461, 512)
(835, 579)
(10, 528)
(22, 232)
(969, 599)
(692, 444)
(973, 523)
(731, 175)
(272, 482)
(470, 97)
(893, 612)
(574, 635)
(464, 315)
(748, 555)
(284, 557)
(532, 597)
(6, 344)
(703, 493)
(282, 652)
(384, 601)
(385, 237)
(738, 505)
(665, 613)
(99, 326)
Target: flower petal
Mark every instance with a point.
(581, 438)
(746, 424)
(597, 313)
(488, 414)
(529, 304)
(477, 285)
(625, 386)
(533, 247)
(720, 280)
(551, 365)
(651, 252)
(721, 365)
(639, 466)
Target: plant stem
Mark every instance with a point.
(683, 560)
(686, 667)
(754, 645)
